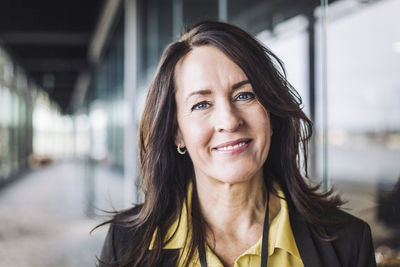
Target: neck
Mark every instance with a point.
(234, 214)
(234, 209)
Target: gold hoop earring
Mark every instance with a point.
(180, 151)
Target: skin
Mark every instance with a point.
(217, 107)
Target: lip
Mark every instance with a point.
(232, 150)
(232, 143)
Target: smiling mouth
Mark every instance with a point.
(233, 146)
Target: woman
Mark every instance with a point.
(219, 154)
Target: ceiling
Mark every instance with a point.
(49, 40)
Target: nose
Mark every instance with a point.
(227, 118)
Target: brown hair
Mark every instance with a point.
(166, 174)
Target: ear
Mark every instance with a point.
(179, 138)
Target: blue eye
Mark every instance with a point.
(245, 96)
(201, 105)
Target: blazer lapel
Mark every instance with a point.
(314, 252)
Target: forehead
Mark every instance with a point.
(206, 67)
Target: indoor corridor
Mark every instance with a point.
(47, 215)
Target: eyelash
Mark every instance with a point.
(197, 106)
(249, 96)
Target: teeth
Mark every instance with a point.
(231, 147)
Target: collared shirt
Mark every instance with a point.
(282, 249)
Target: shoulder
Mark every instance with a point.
(349, 243)
(344, 229)
(120, 236)
(347, 225)
(124, 240)
(352, 239)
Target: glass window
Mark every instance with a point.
(14, 149)
(3, 132)
(6, 111)
(289, 41)
(363, 116)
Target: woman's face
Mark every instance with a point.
(225, 129)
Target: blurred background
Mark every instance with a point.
(74, 76)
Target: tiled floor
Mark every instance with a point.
(44, 218)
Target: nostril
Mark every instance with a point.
(230, 125)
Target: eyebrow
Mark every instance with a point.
(207, 91)
(239, 84)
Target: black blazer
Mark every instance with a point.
(352, 246)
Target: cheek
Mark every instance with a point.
(262, 127)
(194, 133)
(259, 118)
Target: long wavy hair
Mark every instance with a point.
(167, 174)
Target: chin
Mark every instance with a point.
(235, 177)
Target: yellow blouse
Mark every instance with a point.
(282, 249)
